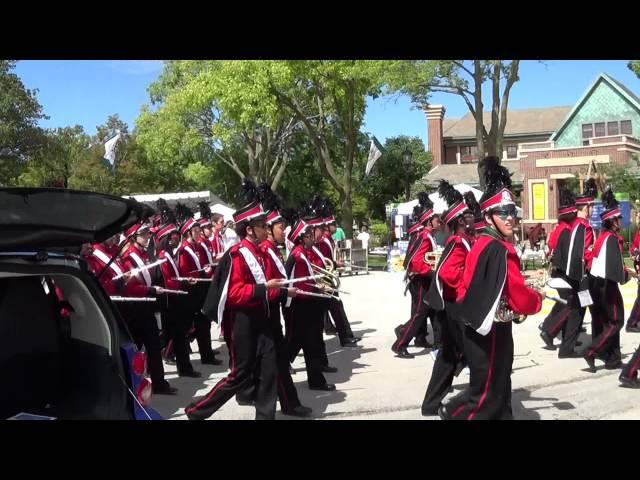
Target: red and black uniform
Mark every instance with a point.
(325, 249)
(140, 316)
(217, 244)
(442, 294)
(420, 275)
(239, 298)
(607, 271)
(98, 261)
(634, 317)
(192, 258)
(175, 313)
(578, 264)
(306, 317)
(206, 248)
(491, 284)
(556, 321)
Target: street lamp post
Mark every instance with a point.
(407, 162)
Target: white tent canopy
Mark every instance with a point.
(224, 210)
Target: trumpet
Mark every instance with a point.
(432, 258)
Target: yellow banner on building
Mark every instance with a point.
(539, 195)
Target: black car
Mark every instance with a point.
(65, 351)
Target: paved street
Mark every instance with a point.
(373, 384)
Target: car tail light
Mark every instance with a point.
(139, 363)
(144, 392)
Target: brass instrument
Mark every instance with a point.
(505, 314)
(432, 258)
(329, 281)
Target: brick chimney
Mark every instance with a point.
(435, 114)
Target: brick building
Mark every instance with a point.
(543, 146)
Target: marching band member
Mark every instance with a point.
(239, 297)
(634, 317)
(492, 290)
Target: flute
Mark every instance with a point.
(137, 270)
(176, 292)
(193, 278)
(116, 298)
(301, 279)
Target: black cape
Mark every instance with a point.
(613, 270)
(560, 256)
(575, 254)
(486, 287)
(410, 249)
(434, 296)
(220, 277)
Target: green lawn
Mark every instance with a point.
(377, 261)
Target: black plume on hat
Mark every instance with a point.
(205, 210)
(609, 201)
(424, 201)
(250, 191)
(307, 210)
(472, 204)
(268, 199)
(183, 213)
(567, 197)
(590, 188)
(417, 211)
(166, 214)
(290, 215)
(448, 193)
(496, 177)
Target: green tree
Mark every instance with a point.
(390, 178)
(634, 66)
(20, 136)
(464, 78)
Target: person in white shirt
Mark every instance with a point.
(364, 236)
(229, 236)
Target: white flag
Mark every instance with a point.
(110, 149)
(375, 152)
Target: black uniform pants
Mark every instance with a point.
(339, 316)
(252, 359)
(201, 323)
(630, 370)
(143, 327)
(556, 321)
(418, 320)
(569, 319)
(634, 316)
(306, 328)
(446, 364)
(610, 312)
(176, 325)
(490, 360)
(287, 393)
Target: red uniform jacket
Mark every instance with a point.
(588, 240)
(635, 245)
(169, 270)
(217, 244)
(243, 292)
(273, 268)
(452, 268)
(327, 247)
(607, 258)
(298, 267)
(493, 271)
(139, 285)
(555, 235)
(417, 265)
(96, 262)
(186, 262)
(207, 249)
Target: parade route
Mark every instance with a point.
(374, 384)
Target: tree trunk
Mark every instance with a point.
(479, 108)
(347, 215)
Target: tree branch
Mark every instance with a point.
(231, 163)
(461, 65)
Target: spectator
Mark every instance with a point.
(229, 236)
(363, 236)
(339, 235)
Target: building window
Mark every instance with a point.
(625, 127)
(587, 130)
(465, 151)
(474, 150)
(612, 128)
(599, 129)
(512, 151)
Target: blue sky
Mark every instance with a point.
(86, 92)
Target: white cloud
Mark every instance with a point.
(137, 67)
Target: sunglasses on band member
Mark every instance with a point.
(505, 212)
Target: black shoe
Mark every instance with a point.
(355, 339)
(298, 411)
(443, 413)
(398, 331)
(327, 387)
(629, 382)
(192, 374)
(404, 354)
(573, 354)
(422, 342)
(429, 412)
(632, 329)
(546, 338)
(211, 361)
(193, 415)
(245, 402)
(583, 330)
(349, 342)
(614, 365)
(591, 362)
(330, 331)
(292, 371)
(578, 344)
(328, 369)
(163, 389)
